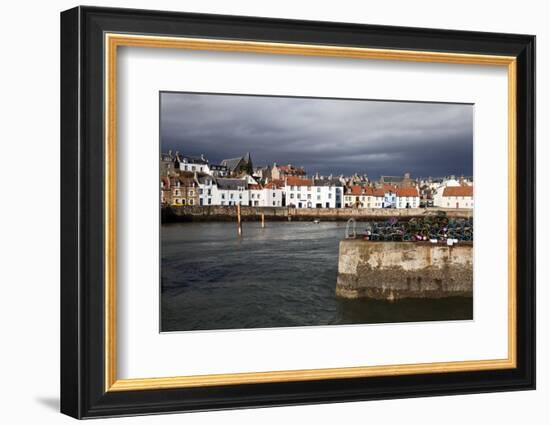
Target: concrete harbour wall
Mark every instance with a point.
(229, 213)
(394, 270)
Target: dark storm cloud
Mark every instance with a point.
(323, 135)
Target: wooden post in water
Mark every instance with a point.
(263, 220)
(239, 224)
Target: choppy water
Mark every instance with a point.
(279, 276)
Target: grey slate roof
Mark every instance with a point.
(192, 159)
(327, 182)
(230, 184)
(205, 179)
(232, 163)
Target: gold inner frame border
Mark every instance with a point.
(112, 41)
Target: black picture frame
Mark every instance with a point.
(83, 392)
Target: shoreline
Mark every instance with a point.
(179, 214)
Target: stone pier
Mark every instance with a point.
(395, 270)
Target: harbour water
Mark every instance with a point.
(278, 276)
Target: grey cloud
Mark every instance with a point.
(324, 135)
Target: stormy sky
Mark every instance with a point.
(329, 136)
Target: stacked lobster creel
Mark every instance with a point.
(435, 229)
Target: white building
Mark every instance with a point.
(458, 197)
(438, 192)
(313, 193)
(208, 191)
(232, 192)
(407, 197)
(298, 192)
(328, 193)
(273, 195)
(256, 195)
(363, 197)
(192, 164)
(221, 191)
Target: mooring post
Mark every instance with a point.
(239, 224)
(263, 220)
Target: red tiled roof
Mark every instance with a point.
(357, 190)
(274, 184)
(290, 168)
(406, 191)
(165, 181)
(255, 186)
(378, 192)
(388, 188)
(458, 191)
(298, 181)
(366, 191)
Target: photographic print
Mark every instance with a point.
(296, 211)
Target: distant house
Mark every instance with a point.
(218, 170)
(357, 179)
(407, 197)
(354, 196)
(192, 164)
(298, 192)
(231, 192)
(262, 173)
(239, 166)
(458, 197)
(208, 191)
(328, 193)
(363, 197)
(165, 191)
(256, 196)
(167, 166)
(274, 194)
(438, 200)
(184, 191)
(398, 181)
(279, 172)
